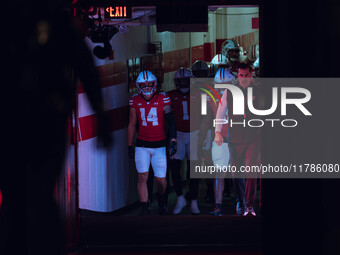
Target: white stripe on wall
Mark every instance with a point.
(114, 97)
(106, 183)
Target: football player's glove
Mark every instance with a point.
(172, 148)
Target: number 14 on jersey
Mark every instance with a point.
(152, 116)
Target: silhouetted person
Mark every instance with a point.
(42, 47)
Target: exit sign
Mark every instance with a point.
(118, 12)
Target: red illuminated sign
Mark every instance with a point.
(118, 12)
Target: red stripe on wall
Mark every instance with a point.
(197, 53)
(109, 75)
(245, 40)
(219, 43)
(173, 60)
(118, 119)
(208, 51)
(115, 73)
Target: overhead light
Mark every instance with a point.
(123, 29)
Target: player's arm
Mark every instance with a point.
(221, 112)
(131, 132)
(132, 125)
(170, 119)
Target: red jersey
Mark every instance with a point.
(214, 108)
(180, 104)
(150, 116)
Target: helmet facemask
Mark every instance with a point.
(147, 88)
(182, 85)
(182, 80)
(234, 55)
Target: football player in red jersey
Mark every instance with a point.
(151, 109)
(181, 99)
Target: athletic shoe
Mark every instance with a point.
(194, 207)
(240, 208)
(181, 203)
(249, 212)
(145, 210)
(217, 211)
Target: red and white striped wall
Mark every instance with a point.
(105, 182)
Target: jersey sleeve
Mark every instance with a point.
(132, 101)
(166, 99)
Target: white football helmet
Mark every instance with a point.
(227, 45)
(217, 62)
(146, 79)
(232, 50)
(253, 52)
(224, 75)
(219, 59)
